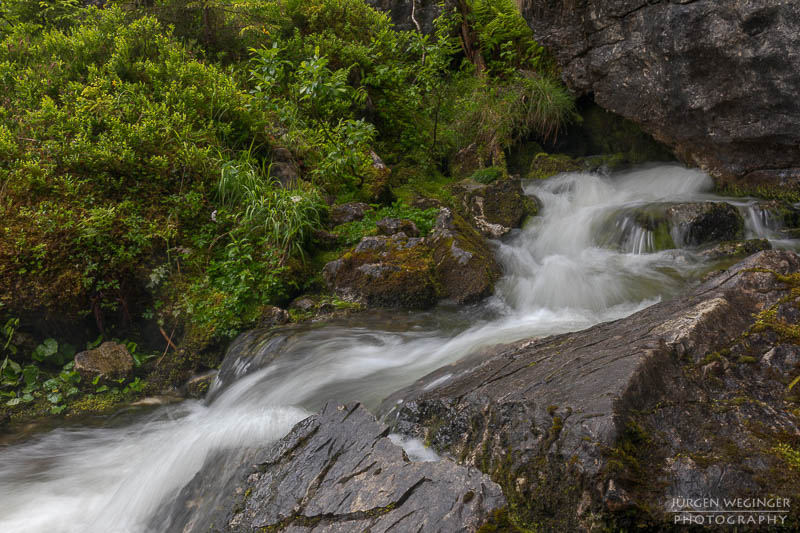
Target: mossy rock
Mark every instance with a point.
(545, 165)
(466, 268)
(385, 272)
(495, 208)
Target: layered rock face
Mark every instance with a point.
(716, 81)
(335, 472)
(689, 398)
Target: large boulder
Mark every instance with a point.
(606, 427)
(716, 81)
(385, 272)
(695, 223)
(465, 264)
(453, 263)
(110, 360)
(335, 472)
(494, 208)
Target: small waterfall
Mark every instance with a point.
(581, 262)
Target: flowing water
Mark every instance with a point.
(585, 260)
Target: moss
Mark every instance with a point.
(545, 165)
(788, 194)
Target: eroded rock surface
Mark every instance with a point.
(717, 81)
(687, 398)
(335, 472)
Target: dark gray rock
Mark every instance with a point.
(695, 223)
(110, 360)
(335, 472)
(392, 226)
(350, 212)
(687, 398)
(717, 81)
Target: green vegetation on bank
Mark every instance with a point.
(164, 165)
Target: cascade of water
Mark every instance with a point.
(560, 276)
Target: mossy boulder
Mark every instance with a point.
(465, 265)
(545, 165)
(494, 208)
(385, 272)
(454, 262)
(110, 360)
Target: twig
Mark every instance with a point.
(169, 343)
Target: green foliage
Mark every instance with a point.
(285, 217)
(487, 175)
(505, 40)
(352, 232)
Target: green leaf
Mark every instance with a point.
(794, 382)
(30, 374)
(27, 398)
(67, 351)
(55, 397)
(102, 388)
(13, 401)
(56, 409)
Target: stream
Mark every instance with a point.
(583, 261)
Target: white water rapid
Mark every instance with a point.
(580, 263)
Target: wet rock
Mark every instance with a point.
(466, 268)
(197, 386)
(495, 208)
(335, 472)
(391, 226)
(383, 272)
(545, 165)
(272, 316)
(607, 425)
(110, 360)
(716, 81)
(736, 249)
(349, 212)
(695, 223)
(305, 304)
